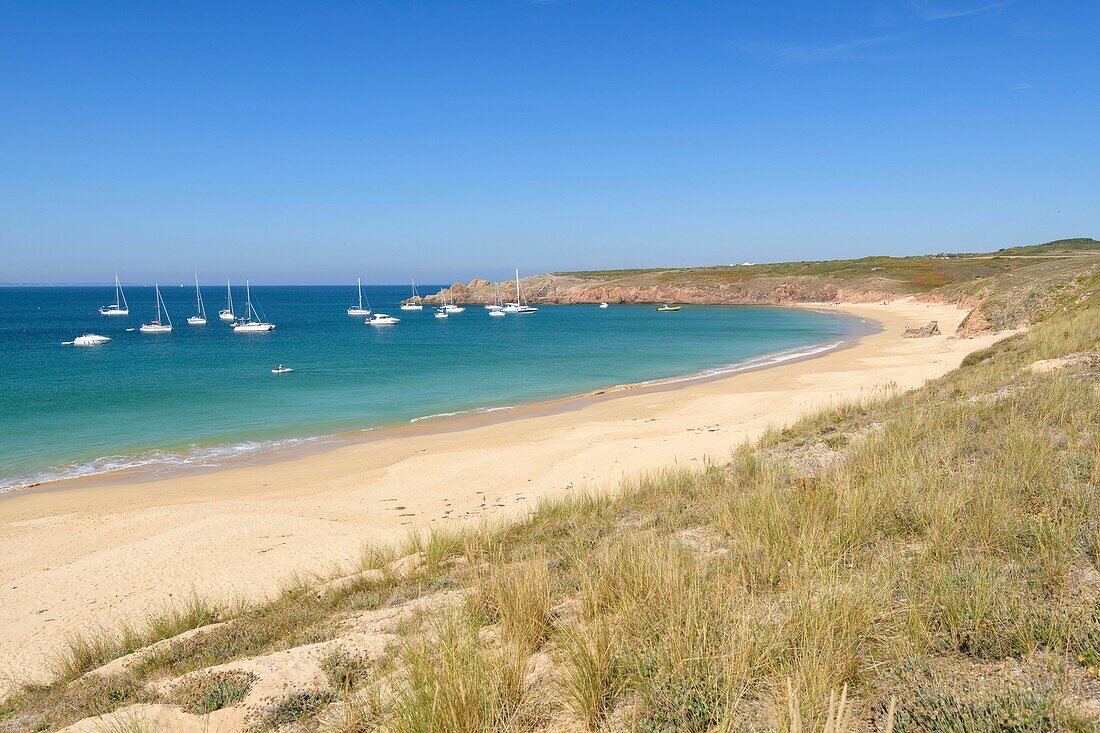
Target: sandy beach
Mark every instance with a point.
(79, 556)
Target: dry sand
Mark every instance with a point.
(79, 556)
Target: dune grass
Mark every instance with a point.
(927, 561)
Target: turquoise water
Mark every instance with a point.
(203, 393)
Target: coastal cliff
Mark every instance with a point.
(1042, 277)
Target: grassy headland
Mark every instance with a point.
(1044, 275)
(936, 553)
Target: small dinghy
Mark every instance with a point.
(280, 369)
(669, 308)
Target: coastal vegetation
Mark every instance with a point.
(918, 561)
(1040, 278)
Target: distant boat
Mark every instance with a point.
(382, 319)
(669, 308)
(441, 312)
(414, 303)
(359, 310)
(280, 369)
(157, 325)
(498, 305)
(520, 306)
(226, 313)
(88, 339)
(199, 319)
(603, 305)
(251, 323)
(120, 307)
(451, 307)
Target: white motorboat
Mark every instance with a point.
(280, 369)
(382, 319)
(603, 305)
(441, 313)
(120, 307)
(88, 339)
(199, 319)
(359, 310)
(158, 325)
(520, 305)
(414, 303)
(498, 313)
(252, 322)
(226, 313)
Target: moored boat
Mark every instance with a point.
(252, 322)
(120, 307)
(158, 325)
(382, 319)
(199, 319)
(359, 310)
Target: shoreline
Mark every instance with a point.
(81, 559)
(221, 456)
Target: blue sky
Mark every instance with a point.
(310, 142)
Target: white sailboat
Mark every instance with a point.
(251, 322)
(199, 319)
(499, 304)
(359, 310)
(451, 307)
(414, 303)
(496, 309)
(226, 313)
(520, 306)
(120, 307)
(158, 325)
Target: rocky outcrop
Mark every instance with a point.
(566, 289)
(932, 329)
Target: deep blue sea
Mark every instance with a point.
(203, 393)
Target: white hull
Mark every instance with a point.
(90, 339)
(381, 319)
(281, 370)
(441, 314)
(409, 307)
(453, 308)
(358, 311)
(226, 316)
(155, 328)
(493, 307)
(253, 327)
(498, 313)
(603, 305)
(196, 321)
(105, 311)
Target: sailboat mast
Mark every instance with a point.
(517, 286)
(360, 281)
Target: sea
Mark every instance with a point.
(204, 395)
